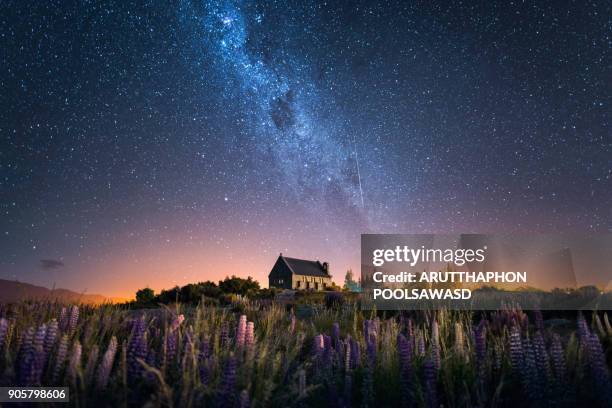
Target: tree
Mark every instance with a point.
(145, 296)
(239, 286)
(349, 283)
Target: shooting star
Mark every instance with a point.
(358, 171)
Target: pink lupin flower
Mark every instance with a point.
(250, 334)
(241, 331)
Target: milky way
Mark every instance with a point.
(158, 144)
(286, 114)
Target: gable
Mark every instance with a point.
(280, 270)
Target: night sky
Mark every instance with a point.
(154, 144)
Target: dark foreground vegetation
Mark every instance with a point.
(263, 353)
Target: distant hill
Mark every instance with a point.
(14, 291)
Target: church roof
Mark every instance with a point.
(305, 267)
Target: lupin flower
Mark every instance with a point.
(249, 337)
(599, 369)
(435, 344)
(203, 367)
(318, 345)
(404, 348)
(529, 372)
(583, 329)
(176, 323)
(241, 331)
(39, 338)
(224, 334)
(75, 361)
(226, 393)
(60, 359)
(3, 331)
(26, 342)
(335, 333)
(63, 318)
(480, 345)
(558, 359)
(137, 348)
(516, 350)
(74, 318)
(539, 320)
(430, 380)
(541, 357)
(106, 365)
(348, 379)
(51, 336)
(244, 399)
(420, 344)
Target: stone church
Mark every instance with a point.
(299, 274)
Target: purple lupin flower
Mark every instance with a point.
(74, 318)
(63, 318)
(106, 365)
(224, 334)
(599, 370)
(75, 361)
(171, 346)
(435, 344)
(3, 331)
(430, 380)
(404, 348)
(480, 346)
(348, 379)
(26, 342)
(370, 364)
(335, 333)
(241, 331)
(204, 367)
(542, 360)
(539, 320)
(371, 348)
(529, 372)
(51, 336)
(583, 329)
(245, 402)
(226, 395)
(328, 352)
(516, 350)
(60, 359)
(25, 355)
(249, 336)
(558, 360)
(137, 349)
(420, 344)
(39, 338)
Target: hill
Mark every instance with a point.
(14, 291)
